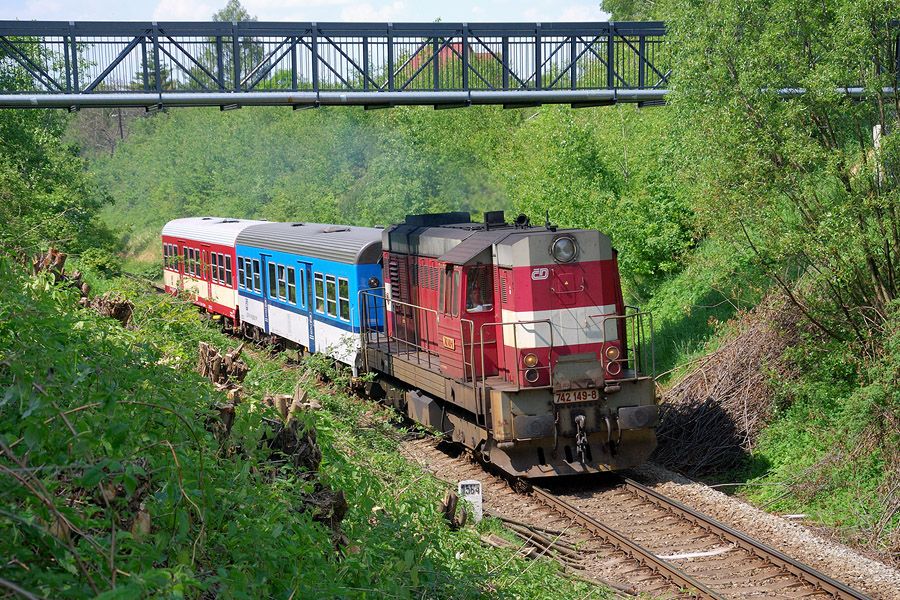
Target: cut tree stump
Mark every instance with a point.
(448, 509)
(227, 370)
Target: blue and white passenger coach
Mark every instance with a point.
(301, 282)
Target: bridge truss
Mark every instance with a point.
(83, 64)
(53, 64)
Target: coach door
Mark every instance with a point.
(180, 264)
(268, 285)
(310, 300)
(206, 274)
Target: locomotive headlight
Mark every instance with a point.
(614, 368)
(531, 375)
(612, 353)
(530, 360)
(564, 249)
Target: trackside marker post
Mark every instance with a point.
(470, 491)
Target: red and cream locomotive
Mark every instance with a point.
(513, 340)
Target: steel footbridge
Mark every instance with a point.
(51, 64)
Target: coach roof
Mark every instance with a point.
(338, 243)
(213, 230)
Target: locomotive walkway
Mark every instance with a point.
(447, 65)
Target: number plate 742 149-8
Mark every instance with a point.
(576, 396)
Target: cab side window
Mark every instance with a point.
(479, 289)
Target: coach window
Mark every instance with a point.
(221, 268)
(282, 285)
(291, 285)
(344, 298)
(331, 295)
(240, 261)
(320, 292)
(257, 286)
(215, 266)
(273, 282)
(228, 270)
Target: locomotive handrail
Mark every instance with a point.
(462, 338)
(364, 325)
(549, 366)
(426, 349)
(405, 341)
(637, 341)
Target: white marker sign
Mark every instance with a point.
(470, 491)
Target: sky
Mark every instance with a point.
(469, 11)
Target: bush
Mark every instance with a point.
(102, 261)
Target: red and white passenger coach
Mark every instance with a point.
(199, 260)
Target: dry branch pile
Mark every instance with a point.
(712, 417)
(110, 305)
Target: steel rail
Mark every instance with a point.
(808, 574)
(623, 543)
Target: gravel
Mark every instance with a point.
(792, 538)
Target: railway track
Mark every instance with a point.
(628, 536)
(640, 541)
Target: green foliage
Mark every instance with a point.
(604, 170)
(601, 169)
(101, 426)
(798, 180)
(46, 198)
(633, 10)
(233, 11)
(692, 308)
(45, 195)
(101, 260)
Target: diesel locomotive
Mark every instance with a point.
(511, 339)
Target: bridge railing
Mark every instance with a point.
(85, 57)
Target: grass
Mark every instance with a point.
(831, 451)
(692, 308)
(222, 520)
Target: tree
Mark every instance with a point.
(251, 53)
(233, 12)
(799, 181)
(631, 10)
